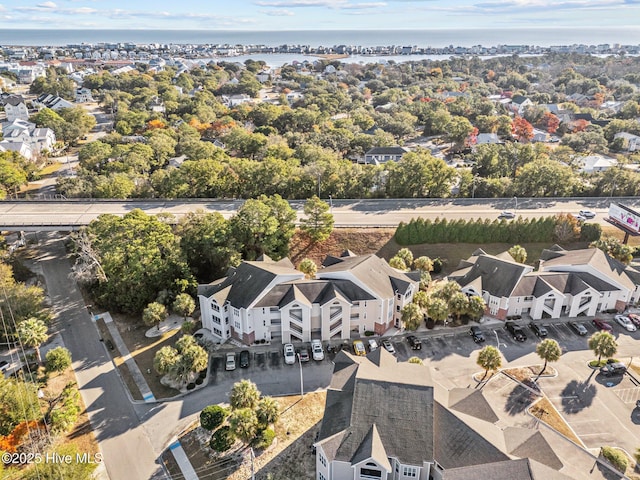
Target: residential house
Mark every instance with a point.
(380, 155)
(53, 102)
(487, 138)
(83, 95)
(268, 300)
(390, 420)
(540, 136)
(519, 104)
(595, 163)
(631, 142)
(15, 108)
(567, 283)
(25, 138)
(236, 99)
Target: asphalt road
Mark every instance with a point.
(127, 451)
(56, 214)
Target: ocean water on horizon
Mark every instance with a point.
(367, 38)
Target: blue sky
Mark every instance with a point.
(316, 14)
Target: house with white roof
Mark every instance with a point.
(631, 142)
(25, 138)
(595, 163)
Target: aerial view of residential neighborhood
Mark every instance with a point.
(319, 239)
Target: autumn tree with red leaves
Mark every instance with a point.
(551, 122)
(580, 125)
(522, 130)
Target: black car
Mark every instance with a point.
(579, 328)
(4, 365)
(516, 331)
(476, 334)
(414, 343)
(538, 329)
(244, 358)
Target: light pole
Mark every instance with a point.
(301, 380)
(331, 203)
(516, 199)
(473, 188)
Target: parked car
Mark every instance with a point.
(506, 215)
(539, 330)
(626, 323)
(316, 350)
(230, 364)
(613, 369)
(414, 343)
(579, 218)
(304, 354)
(358, 348)
(579, 328)
(635, 318)
(516, 331)
(244, 358)
(388, 347)
(587, 214)
(4, 365)
(289, 354)
(602, 325)
(476, 334)
(373, 345)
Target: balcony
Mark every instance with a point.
(296, 315)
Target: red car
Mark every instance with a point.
(602, 325)
(635, 318)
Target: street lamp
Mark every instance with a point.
(301, 380)
(331, 203)
(516, 199)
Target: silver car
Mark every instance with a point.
(626, 323)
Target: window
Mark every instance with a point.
(215, 307)
(321, 476)
(217, 332)
(236, 325)
(528, 299)
(410, 472)
(370, 473)
(397, 308)
(215, 319)
(323, 460)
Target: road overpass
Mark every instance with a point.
(68, 215)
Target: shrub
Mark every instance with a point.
(222, 439)
(369, 333)
(590, 232)
(191, 386)
(58, 359)
(616, 458)
(265, 438)
(213, 416)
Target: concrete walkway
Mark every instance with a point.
(183, 461)
(145, 391)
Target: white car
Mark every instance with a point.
(231, 362)
(373, 345)
(316, 350)
(506, 215)
(289, 354)
(587, 214)
(626, 323)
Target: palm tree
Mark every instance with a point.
(268, 411)
(244, 424)
(411, 316)
(549, 351)
(437, 309)
(165, 359)
(476, 307)
(518, 253)
(398, 263)
(154, 314)
(32, 332)
(244, 394)
(458, 304)
(308, 267)
(603, 343)
(424, 264)
(489, 358)
(184, 305)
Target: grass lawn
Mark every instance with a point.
(546, 412)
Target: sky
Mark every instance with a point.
(316, 14)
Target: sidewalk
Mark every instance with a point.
(183, 461)
(145, 391)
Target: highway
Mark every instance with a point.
(52, 215)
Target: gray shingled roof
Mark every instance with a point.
(387, 151)
(521, 469)
(499, 276)
(13, 100)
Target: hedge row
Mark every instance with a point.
(521, 230)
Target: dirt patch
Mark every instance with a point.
(544, 411)
(289, 457)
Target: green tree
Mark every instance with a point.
(319, 221)
(222, 439)
(58, 359)
(421, 298)
(458, 304)
(18, 403)
(406, 255)
(154, 314)
(32, 332)
(437, 309)
(77, 470)
(476, 307)
(518, 253)
(165, 359)
(424, 264)
(489, 358)
(603, 344)
(244, 394)
(267, 411)
(398, 263)
(212, 416)
(411, 316)
(308, 267)
(184, 305)
(549, 351)
(614, 248)
(63, 408)
(244, 424)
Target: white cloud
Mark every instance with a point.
(278, 12)
(47, 5)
